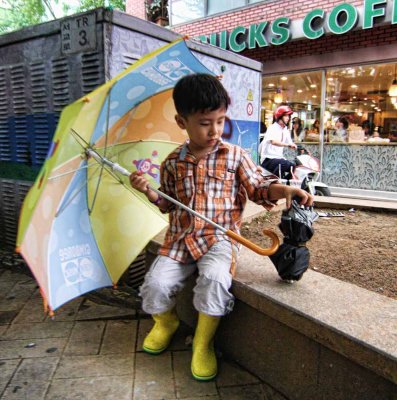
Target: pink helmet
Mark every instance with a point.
(282, 110)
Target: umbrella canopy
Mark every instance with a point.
(81, 225)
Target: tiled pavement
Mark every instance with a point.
(92, 351)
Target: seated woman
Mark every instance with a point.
(297, 132)
(367, 128)
(340, 134)
(313, 135)
(316, 127)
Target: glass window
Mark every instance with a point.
(186, 10)
(216, 6)
(182, 11)
(358, 105)
(302, 92)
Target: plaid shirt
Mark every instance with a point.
(216, 186)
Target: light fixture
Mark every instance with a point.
(393, 100)
(278, 98)
(393, 87)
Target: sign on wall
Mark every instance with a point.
(339, 20)
(78, 34)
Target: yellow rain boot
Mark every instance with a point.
(161, 334)
(204, 366)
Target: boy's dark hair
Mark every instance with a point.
(199, 93)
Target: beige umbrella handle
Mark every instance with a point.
(233, 235)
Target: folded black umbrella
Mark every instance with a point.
(297, 224)
(291, 261)
(292, 258)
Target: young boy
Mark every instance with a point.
(215, 179)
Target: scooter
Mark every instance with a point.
(306, 174)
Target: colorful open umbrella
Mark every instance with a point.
(81, 224)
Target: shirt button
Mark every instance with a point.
(199, 192)
(200, 166)
(222, 175)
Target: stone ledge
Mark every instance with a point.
(359, 324)
(305, 338)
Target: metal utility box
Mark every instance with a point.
(45, 67)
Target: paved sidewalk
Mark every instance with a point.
(92, 351)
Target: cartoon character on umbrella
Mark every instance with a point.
(208, 175)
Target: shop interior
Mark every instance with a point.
(360, 103)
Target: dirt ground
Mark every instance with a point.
(359, 247)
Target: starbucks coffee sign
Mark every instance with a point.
(341, 19)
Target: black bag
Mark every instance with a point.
(291, 261)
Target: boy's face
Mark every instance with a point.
(204, 128)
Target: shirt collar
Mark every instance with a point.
(185, 149)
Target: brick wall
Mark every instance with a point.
(327, 44)
(136, 8)
(266, 11)
(269, 11)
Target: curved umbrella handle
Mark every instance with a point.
(257, 249)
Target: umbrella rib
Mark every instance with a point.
(77, 136)
(70, 172)
(74, 195)
(104, 152)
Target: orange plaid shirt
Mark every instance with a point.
(216, 186)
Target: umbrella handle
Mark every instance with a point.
(257, 249)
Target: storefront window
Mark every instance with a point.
(302, 92)
(358, 106)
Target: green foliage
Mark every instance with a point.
(20, 13)
(86, 5)
(17, 14)
(13, 170)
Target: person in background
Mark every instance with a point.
(297, 132)
(367, 128)
(316, 127)
(276, 139)
(216, 179)
(340, 135)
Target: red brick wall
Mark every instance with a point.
(381, 35)
(136, 8)
(267, 11)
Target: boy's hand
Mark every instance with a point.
(278, 191)
(138, 182)
(306, 199)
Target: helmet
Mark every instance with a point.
(282, 110)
